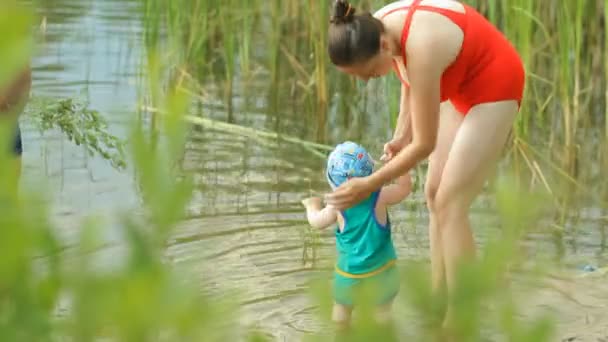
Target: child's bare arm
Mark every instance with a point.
(319, 217)
(395, 193)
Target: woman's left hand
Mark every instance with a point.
(349, 193)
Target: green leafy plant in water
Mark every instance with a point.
(82, 125)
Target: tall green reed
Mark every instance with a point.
(605, 62)
(393, 97)
(523, 21)
(227, 22)
(248, 12)
(319, 20)
(274, 57)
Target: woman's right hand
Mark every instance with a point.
(392, 147)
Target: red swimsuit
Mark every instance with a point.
(487, 69)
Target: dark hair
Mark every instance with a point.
(352, 38)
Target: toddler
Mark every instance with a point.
(365, 252)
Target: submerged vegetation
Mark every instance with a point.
(198, 51)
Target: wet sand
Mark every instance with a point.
(579, 304)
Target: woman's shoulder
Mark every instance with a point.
(393, 17)
(391, 8)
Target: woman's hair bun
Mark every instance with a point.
(344, 12)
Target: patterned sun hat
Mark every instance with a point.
(346, 161)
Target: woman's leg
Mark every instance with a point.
(475, 151)
(449, 122)
(384, 318)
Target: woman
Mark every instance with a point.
(462, 84)
(13, 98)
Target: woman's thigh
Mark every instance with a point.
(449, 122)
(476, 148)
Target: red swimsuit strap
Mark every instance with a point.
(443, 11)
(455, 16)
(406, 27)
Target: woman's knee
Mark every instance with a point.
(450, 205)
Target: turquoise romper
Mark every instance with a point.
(366, 256)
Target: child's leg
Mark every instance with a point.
(384, 319)
(343, 301)
(341, 316)
(388, 284)
(384, 313)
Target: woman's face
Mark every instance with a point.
(378, 65)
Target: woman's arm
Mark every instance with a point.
(403, 129)
(395, 193)
(429, 57)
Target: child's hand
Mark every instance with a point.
(391, 149)
(312, 201)
(319, 217)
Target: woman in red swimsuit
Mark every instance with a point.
(462, 83)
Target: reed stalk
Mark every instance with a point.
(605, 62)
(319, 22)
(244, 130)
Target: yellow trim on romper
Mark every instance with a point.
(368, 274)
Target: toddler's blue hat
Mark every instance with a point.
(348, 160)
